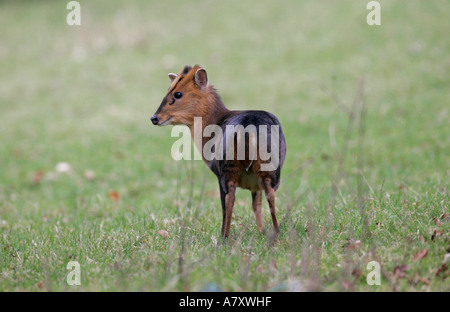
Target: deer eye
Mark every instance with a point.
(178, 95)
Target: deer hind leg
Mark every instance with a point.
(270, 196)
(256, 205)
(229, 203)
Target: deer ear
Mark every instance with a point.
(172, 76)
(201, 79)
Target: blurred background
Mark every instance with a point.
(84, 94)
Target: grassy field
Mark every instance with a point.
(85, 177)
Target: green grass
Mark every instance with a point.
(372, 185)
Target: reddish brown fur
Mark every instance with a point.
(194, 103)
(199, 99)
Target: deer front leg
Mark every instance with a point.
(224, 209)
(256, 205)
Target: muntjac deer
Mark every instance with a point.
(189, 97)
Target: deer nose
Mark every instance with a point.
(154, 119)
